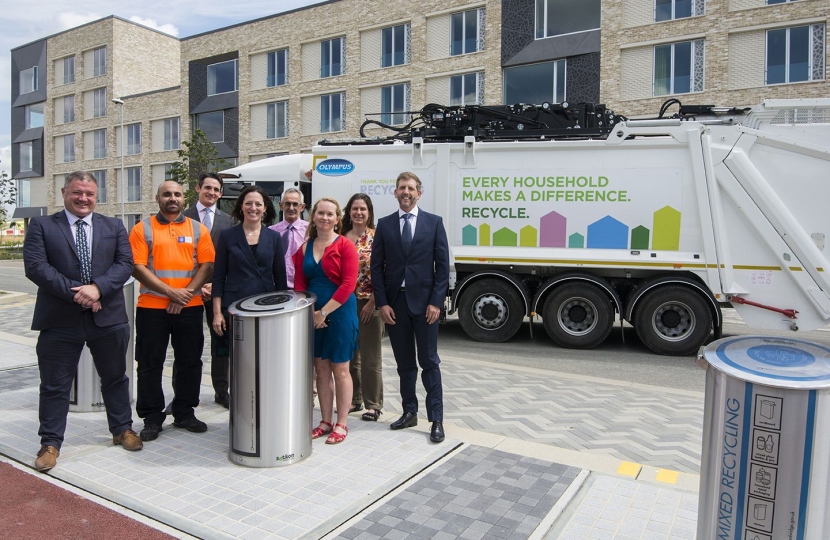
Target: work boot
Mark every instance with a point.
(129, 440)
(47, 457)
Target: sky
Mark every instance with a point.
(181, 18)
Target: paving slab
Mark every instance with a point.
(186, 480)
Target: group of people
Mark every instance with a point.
(201, 260)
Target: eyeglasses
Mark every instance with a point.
(291, 204)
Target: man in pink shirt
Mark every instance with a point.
(291, 228)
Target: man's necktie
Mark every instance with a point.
(83, 252)
(406, 235)
(207, 221)
(288, 239)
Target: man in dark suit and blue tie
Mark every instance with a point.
(207, 212)
(80, 261)
(410, 276)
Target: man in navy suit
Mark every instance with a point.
(80, 261)
(410, 275)
(207, 212)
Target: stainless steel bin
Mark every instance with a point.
(272, 342)
(765, 463)
(85, 395)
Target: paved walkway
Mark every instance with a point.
(529, 454)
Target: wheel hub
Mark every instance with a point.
(490, 311)
(674, 321)
(577, 316)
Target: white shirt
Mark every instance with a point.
(202, 209)
(73, 226)
(412, 221)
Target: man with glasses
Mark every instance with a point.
(291, 228)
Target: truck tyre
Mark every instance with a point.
(578, 316)
(673, 320)
(491, 310)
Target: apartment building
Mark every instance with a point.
(281, 83)
(723, 52)
(64, 117)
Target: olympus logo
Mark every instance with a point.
(335, 167)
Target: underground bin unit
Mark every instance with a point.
(766, 440)
(85, 394)
(271, 342)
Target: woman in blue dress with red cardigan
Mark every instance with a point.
(327, 265)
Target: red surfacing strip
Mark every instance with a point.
(33, 508)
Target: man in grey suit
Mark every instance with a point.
(80, 261)
(206, 211)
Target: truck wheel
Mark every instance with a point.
(673, 320)
(491, 310)
(578, 316)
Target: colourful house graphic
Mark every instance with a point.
(605, 233)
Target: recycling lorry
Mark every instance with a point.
(581, 217)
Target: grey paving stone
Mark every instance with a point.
(476, 508)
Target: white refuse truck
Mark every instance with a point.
(582, 217)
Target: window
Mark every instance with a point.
(795, 54)
(222, 77)
(34, 115)
(464, 89)
(667, 10)
(213, 124)
(24, 194)
(331, 57)
(171, 134)
(133, 139)
(277, 68)
(133, 184)
(99, 99)
(99, 61)
(394, 101)
(131, 220)
(69, 148)
(771, 2)
(678, 68)
(560, 17)
(277, 120)
(68, 70)
(68, 109)
(535, 83)
(99, 141)
(168, 171)
(28, 80)
(331, 112)
(466, 32)
(394, 46)
(26, 156)
(101, 176)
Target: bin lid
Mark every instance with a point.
(272, 303)
(771, 361)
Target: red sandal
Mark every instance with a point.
(337, 438)
(318, 432)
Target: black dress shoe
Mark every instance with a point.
(222, 399)
(436, 434)
(407, 419)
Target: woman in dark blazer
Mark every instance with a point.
(249, 256)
